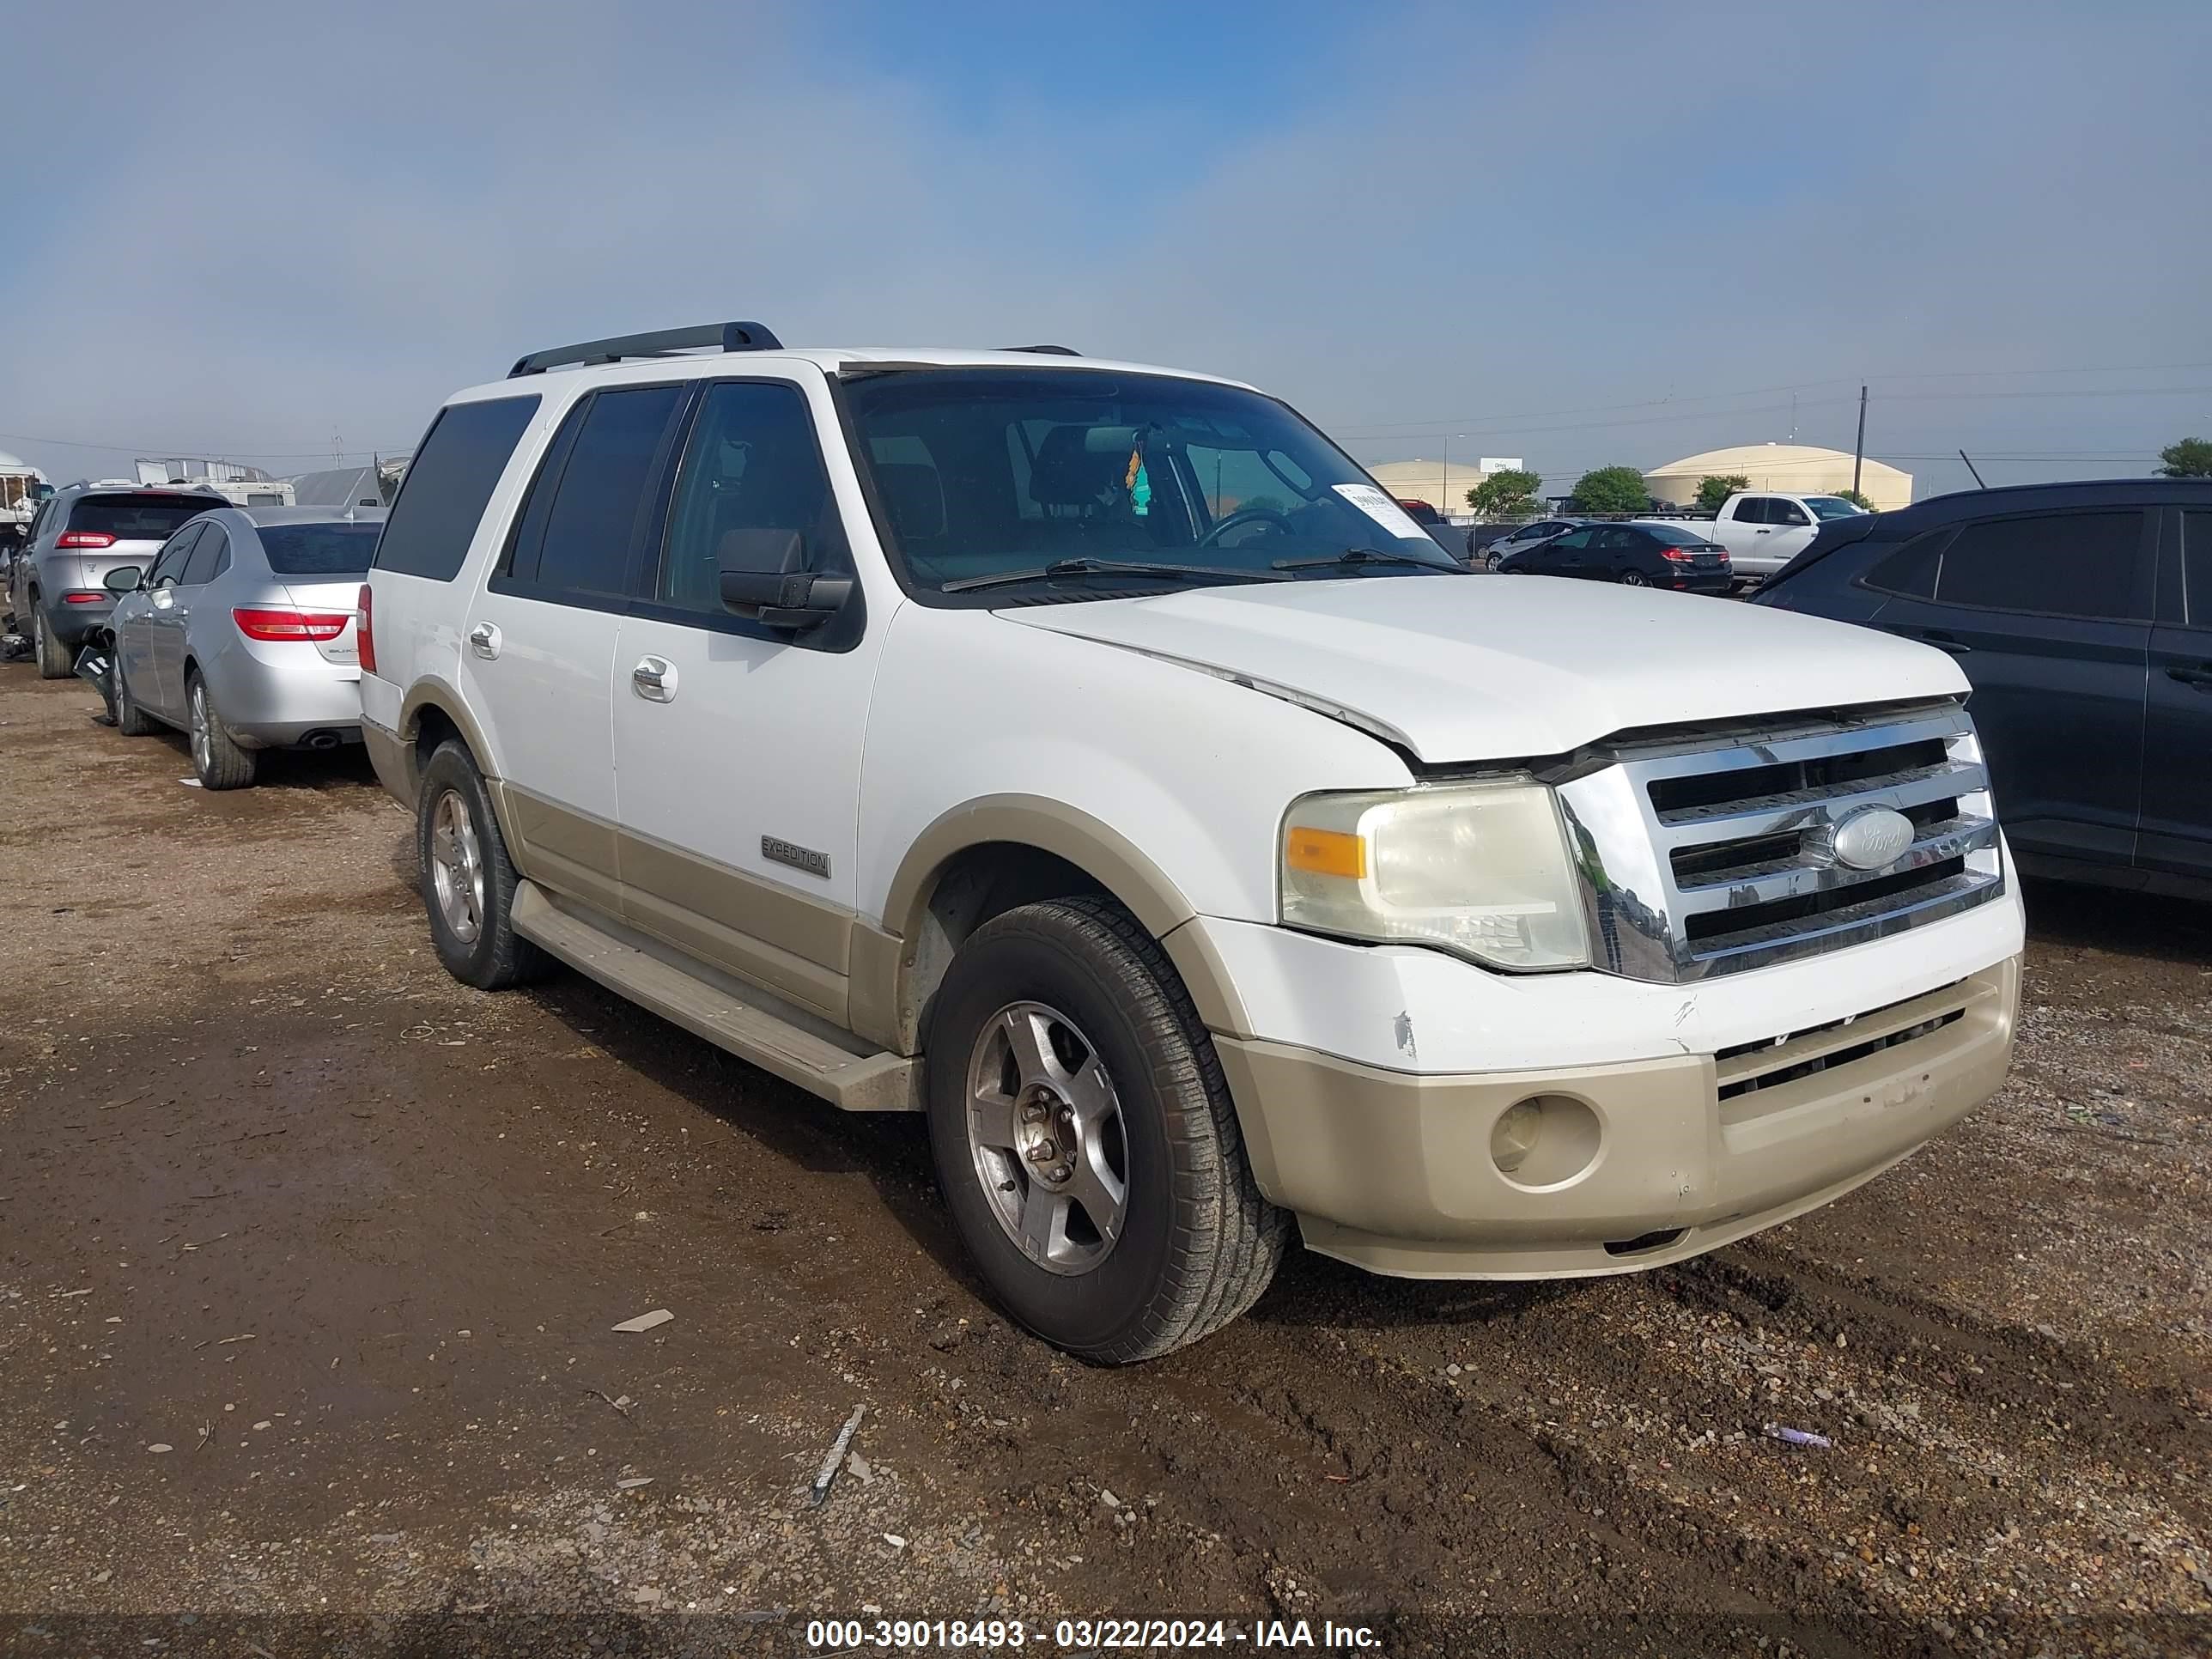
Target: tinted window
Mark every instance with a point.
(447, 483)
(1667, 535)
(170, 561)
(1572, 538)
(1910, 569)
(591, 518)
(2196, 568)
(1825, 507)
(753, 465)
(136, 518)
(1782, 512)
(1752, 509)
(2067, 564)
(1614, 541)
(200, 567)
(319, 549)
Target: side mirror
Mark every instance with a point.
(124, 579)
(764, 577)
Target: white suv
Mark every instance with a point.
(1093, 757)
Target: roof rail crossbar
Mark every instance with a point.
(723, 336)
(1046, 350)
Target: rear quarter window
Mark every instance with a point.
(448, 483)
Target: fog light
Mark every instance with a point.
(1515, 1134)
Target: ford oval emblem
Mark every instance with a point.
(1872, 837)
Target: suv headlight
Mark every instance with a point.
(1481, 870)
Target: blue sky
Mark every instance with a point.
(1582, 233)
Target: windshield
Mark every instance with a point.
(1825, 507)
(320, 550)
(985, 473)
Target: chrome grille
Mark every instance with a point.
(1716, 852)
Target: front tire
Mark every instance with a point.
(1084, 1138)
(130, 720)
(217, 759)
(53, 656)
(468, 881)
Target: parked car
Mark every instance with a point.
(1092, 758)
(1437, 527)
(240, 633)
(1494, 551)
(56, 586)
(2082, 615)
(1634, 555)
(1762, 531)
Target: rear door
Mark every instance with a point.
(1562, 555)
(2048, 614)
(2176, 837)
(1739, 526)
(537, 651)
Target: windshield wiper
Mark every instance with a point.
(1086, 567)
(1359, 556)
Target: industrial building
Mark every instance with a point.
(1786, 469)
(1443, 485)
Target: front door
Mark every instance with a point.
(2048, 614)
(2176, 790)
(161, 686)
(738, 746)
(537, 653)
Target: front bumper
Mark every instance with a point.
(1392, 1171)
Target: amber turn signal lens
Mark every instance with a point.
(1325, 853)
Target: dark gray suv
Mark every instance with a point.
(84, 530)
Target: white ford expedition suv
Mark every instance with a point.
(1092, 758)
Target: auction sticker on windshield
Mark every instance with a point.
(1384, 511)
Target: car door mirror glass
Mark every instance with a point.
(766, 577)
(124, 579)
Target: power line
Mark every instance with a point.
(221, 452)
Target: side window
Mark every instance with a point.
(1781, 512)
(447, 484)
(580, 523)
(1910, 569)
(200, 567)
(1573, 538)
(2196, 568)
(753, 463)
(169, 562)
(1752, 509)
(1240, 480)
(1617, 540)
(2066, 564)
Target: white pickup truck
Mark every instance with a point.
(1093, 759)
(1763, 531)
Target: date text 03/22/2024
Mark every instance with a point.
(1086, 1635)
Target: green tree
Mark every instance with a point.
(1610, 489)
(2192, 458)
(1510, 494)
(1714, 490)
(1856, 500)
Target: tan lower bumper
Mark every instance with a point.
(1393, 1171)
(394, 761)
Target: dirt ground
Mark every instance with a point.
(309, 1257)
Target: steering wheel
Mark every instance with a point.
(1244, 515)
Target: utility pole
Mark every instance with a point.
(1858, 454)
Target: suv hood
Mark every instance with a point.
(1478, 668)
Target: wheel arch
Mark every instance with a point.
(432, 712)
(984, 858)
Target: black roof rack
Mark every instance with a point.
(1048, 351)
(724, 337)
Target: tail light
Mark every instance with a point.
(84, 596)
(84, 538)
(1679, 555)
(362, 637)
(275, 622)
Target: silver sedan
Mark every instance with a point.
(240, 634)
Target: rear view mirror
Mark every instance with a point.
(765, 578)
(124, 579)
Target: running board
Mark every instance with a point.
(853, 1082)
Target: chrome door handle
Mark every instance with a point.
(484, 639)
(655, 678)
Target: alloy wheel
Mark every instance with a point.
(1045, 1131)
(457, 871)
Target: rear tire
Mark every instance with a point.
(1634, 579)
(468, 881)
(216, 758)
(130, 720)
(53, 656)
(1124, 1108)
